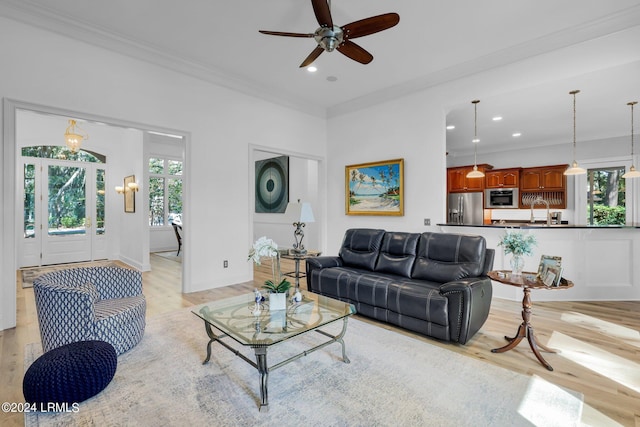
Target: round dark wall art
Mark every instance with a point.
(272, 185)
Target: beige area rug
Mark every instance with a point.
(29, 274)
(170, 255)
(392, 380)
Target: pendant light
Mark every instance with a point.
(574, 169)
(633, 173)
(475, 173)
(74, 136)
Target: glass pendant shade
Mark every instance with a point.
(475, 173)
(73, 138)
(574, 169)
(633, 173)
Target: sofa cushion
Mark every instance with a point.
(360, 248)
(444, 257)
(420, 300)
(397, 253)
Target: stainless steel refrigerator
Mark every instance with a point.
(465, 208)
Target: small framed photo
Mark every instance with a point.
(547, 261)
(553, 276)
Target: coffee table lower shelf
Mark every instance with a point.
(261, 355)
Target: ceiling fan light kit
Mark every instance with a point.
(331, 37)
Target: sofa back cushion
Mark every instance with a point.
(360, 247)
(397, 253)
(443, 257)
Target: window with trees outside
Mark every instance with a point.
(606, 196)
(165, 191)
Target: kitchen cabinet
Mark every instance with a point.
(546, 182)
(543, 178)
(502, 178)
(457, 181)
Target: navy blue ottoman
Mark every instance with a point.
(70, 374)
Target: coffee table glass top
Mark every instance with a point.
(237, 317)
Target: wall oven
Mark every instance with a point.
(496, 198)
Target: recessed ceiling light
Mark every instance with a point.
(497, 118)
(332, 79)
(450, 127)
(312, 69)
(516, 134)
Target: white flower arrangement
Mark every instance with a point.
(264, 247)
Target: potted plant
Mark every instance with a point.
(278, 286)
(517, 243)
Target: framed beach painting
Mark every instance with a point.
(375, 188)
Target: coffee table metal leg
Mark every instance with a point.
(263, 369)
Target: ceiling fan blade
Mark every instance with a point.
(323, 13)
(355, 52)
(312, 57)
(367, 26)
(280, 33)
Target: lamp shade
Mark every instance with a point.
(299, 212)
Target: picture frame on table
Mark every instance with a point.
(550, 270)
(552, 277)
(375, 188)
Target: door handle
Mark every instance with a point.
(87, 222)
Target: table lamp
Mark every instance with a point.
(299, 214)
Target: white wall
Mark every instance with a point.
(220, 123)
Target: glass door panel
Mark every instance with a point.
(67, 200)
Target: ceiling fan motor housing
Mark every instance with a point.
(329, 38)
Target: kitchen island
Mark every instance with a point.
(599, 260)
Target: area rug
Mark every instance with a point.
(30, 274)
(392, 380)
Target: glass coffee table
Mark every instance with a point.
(261, 329)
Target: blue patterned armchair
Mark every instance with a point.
(91, 303)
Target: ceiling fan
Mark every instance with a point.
(330, 37)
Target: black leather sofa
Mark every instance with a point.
(432, 283)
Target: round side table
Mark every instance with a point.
(526, 281)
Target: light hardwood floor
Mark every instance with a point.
(600, 343)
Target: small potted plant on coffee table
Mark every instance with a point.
(278, 286)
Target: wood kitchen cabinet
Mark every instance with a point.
(457, 181)
(546, 182)
(543, 178)
(502, 178)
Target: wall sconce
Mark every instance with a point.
(132, 186)
(129, 189)
(74, 136)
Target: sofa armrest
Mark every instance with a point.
(320, 263)
(469, 304)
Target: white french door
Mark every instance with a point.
(63, 212)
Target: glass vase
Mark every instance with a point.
(517, 265)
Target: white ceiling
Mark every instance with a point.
(435, 42)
